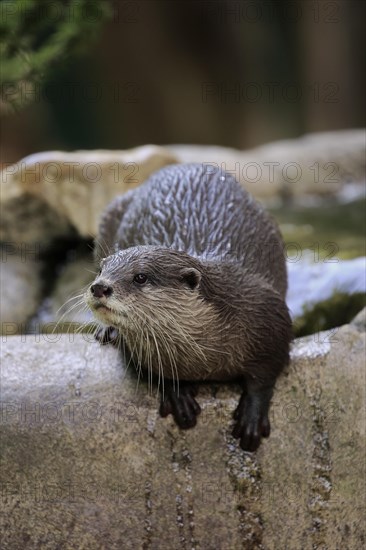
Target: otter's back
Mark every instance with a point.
(205, 212)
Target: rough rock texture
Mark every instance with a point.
(319, 164)
(88, 464)
(48, 193)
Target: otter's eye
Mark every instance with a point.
(141, 278)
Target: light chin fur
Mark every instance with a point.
(163, 333)
(110, 313)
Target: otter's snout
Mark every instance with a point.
(101, 290)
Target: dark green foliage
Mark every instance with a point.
(37, 35)
(337, 310)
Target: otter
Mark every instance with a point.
(192, 287)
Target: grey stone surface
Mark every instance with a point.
(87, 463)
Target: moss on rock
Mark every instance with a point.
(337, 310)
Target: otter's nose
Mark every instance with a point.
(100, 290)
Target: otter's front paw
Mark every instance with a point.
(252, 423)
(108, 335)
(182, 405)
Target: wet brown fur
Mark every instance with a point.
(213, 306)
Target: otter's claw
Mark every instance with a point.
(182, 406)
(107, 335)
(252, 422)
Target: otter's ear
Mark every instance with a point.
(191, 277)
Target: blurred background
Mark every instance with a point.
(121, 73)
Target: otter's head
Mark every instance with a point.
(145, 284)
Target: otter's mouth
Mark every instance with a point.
(104, 310)
(103, 307)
